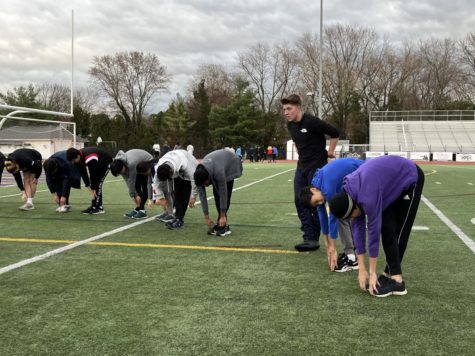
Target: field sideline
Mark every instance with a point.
(146, 290)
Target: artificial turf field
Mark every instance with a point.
(145, 290)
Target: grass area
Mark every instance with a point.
(139, 300)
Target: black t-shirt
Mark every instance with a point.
(309, 137)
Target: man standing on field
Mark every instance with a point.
(308, 134)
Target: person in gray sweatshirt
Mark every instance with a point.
(125, 164)
(174, 185)
(219, 168)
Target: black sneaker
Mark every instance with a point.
(212, 230)
(97, 210)
(389, 287)
(175, 224)
(87, 211)
(307, 246)
(223, 231)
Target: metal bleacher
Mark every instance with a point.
(432, 131)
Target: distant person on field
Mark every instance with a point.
(275, 153)
(29, 162)
(381, 197)
(174, 182)
(93, 164)
(156, 150)
(2, 165)
(309, 136)
(125, 164)
(270, 153)
(61, 176)
(219, 168)
(327, 181)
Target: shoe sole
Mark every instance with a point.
(347, 269)
(139, 217)
(26, 209)
(307, 249)
(97, 213)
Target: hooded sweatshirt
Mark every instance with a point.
(374, 186)
(329, 180)
(183, 166)
(131, 158)
(223, 166)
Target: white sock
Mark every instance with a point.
(351, 257)
(29, 200)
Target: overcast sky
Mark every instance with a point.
(35, 35)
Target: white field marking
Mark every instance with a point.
(46, 190)
(105, 234)
(470, 183)
(455, 229)
(420, 228)
(292, 214)
(473, 221)
(438, 183)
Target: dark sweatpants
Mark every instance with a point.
(310, 223)
(216, 197)
(397, 221)
(181, 196)
(141, 187)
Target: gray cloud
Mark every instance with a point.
(35, 36)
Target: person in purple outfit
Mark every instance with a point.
(382, 196)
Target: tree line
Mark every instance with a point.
(240, 105)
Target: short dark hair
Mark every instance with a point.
(164, 172)
(201, 175)
(72, 153)
(51, 166)
(305, 197)
(143, 167)
(292, 99)
(116, 167)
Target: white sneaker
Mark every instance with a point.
(64, 209)
(27, 206)
(58, 209)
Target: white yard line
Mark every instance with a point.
(46, 190)
(105, 234)
(455, 229)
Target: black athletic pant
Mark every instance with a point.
(97, 202)
(216, 197)
(141, 187)
(181, 196)
(397, 221)
(62, 187)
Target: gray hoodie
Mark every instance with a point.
(223, 166)
(131, 158)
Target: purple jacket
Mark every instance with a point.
(374, 186)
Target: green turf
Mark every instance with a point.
(124, 300)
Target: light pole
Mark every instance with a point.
(320, 86)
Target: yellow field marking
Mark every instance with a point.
(126, 244)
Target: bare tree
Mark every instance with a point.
(130, 80)
(441, 78)
(218, 83)
(467, 60)
(54, 97)
(270, 72)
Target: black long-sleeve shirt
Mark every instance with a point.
(97, 161)
(309, 137)
(28, 160)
